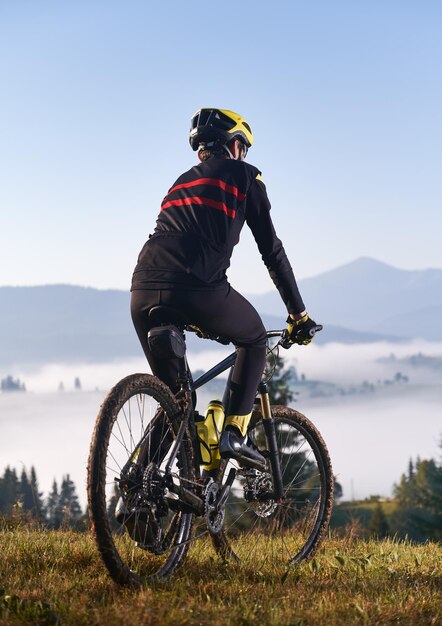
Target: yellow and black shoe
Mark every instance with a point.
(234, 446)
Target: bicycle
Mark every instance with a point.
(149, 500)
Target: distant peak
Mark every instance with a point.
(361, 265)
(368, 262)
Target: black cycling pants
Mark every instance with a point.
(221, 311)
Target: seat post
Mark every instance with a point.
(184, 376)
(184, 380)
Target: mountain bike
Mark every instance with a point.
(151, 501)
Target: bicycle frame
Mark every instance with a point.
(225, 364)
(184, 397)
(188, 386)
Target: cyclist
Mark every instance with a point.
(183, 264)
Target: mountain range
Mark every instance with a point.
(370, 296)
(362, 301)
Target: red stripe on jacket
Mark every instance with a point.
(219, 206)
(212, 181)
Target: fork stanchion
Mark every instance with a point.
(270, 433)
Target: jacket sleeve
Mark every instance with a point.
(272, 251)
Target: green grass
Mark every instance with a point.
(58, 578)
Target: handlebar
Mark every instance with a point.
(283, 334)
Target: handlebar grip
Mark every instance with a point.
(285, 343)
(312, 332)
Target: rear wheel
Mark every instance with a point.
(261, 532)
(140, 534)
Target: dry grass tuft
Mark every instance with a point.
(58, 578)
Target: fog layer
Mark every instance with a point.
(371, 436)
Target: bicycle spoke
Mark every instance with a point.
(264, 533)
(138, 536)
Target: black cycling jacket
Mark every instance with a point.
(200, 223)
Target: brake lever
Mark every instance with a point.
(284, 341)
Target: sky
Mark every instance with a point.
(344, 99)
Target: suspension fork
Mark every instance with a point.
(270, 433)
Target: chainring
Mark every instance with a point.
(214, 517)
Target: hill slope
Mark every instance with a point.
(363, 301)
(61, 580)
(369, 296)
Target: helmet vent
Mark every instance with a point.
(210, 124)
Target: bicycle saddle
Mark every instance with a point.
(162, 315)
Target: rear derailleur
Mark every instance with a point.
(142, 505)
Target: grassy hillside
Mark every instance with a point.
(57, 578)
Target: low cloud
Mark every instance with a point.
(336, 363)
(34, 425)
(354, 363)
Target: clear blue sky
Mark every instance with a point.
(344, 98)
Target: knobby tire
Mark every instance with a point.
(115, 422)
(294, 531)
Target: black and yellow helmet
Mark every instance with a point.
(218, 125)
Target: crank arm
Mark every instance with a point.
(225, 491)
(187, 497)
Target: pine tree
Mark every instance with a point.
(38, 509)
(9, 491)
(69, 503)
(25, 492)
(378, 526)
(410, 469)
(279, 379)
(54, 512)
(419, 498)
(11, 384)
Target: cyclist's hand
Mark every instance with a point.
(301, 331)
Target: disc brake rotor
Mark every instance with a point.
(259, 487)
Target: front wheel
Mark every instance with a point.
(140, 534)
(262, 532)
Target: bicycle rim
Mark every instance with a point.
(139, 538)
(265, 535)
